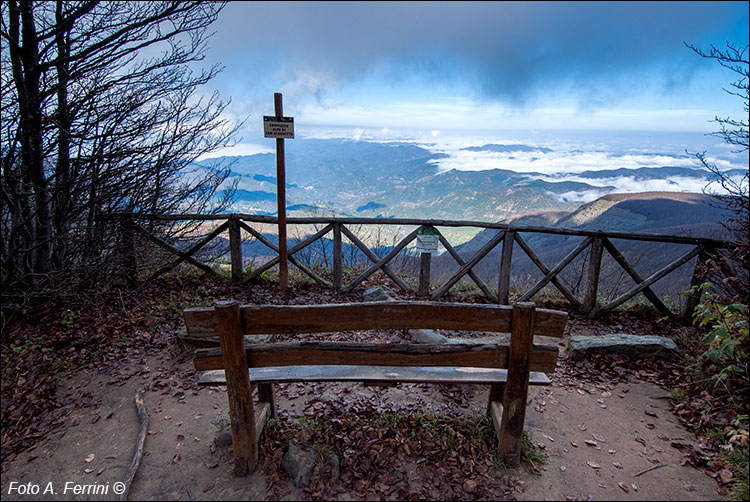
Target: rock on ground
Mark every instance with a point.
(620, 343)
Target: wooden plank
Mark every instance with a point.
(652, 279)
(241, 413)
(543, 357)
(388, 257)
(545, 270)
(468, 265)
(235, 249)
(385, 374)
(474, 277)
(276, 319)
(647, 292)
(375, 258)
(503, 286)
(592, 276)
(517, 386)
(338, 269)
(553, 273)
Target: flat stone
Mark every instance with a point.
(377, 294)
(427, 336)
(502, 338)
(621, 343)
(299, 463)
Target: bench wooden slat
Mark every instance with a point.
(277, 319)
(543, 357)
(351, 373)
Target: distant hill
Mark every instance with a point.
(355, 178)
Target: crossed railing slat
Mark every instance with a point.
(597, 242)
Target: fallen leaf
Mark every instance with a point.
(650, 413)
(593, 465)
(208, 487)
(87, 471)
(590, 442)
(176, 458)
(623, 486)
(617, 464)
(469, 485)
(582, 427)
(599, 438)
(688, 488)
(726, 476)
(611, 452)
(90, 457)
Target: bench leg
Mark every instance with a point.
(496, 394)
(517, 387)
(241, 411)
(266, 394)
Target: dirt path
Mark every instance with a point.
(630, 429)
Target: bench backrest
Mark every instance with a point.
(277, 319)
(300, 319)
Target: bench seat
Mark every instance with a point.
(344, 373)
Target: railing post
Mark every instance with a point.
(592, 280)
(425, 263)
(503, 285)
(235, 248)
(337, 253)
(241, 411)
(692, 300)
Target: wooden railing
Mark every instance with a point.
(506, 237)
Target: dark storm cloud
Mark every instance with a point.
(507, 49)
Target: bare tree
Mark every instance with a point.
(733, 132)
(100, 114)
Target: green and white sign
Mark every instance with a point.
(427, 240)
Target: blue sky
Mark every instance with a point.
(433, 67)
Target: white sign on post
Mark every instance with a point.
(278, 127)
(427, 241)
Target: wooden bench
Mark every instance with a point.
(507, 368)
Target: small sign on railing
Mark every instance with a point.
(427, 240)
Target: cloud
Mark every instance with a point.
(601, 52)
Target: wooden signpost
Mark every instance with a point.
(280, 127)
